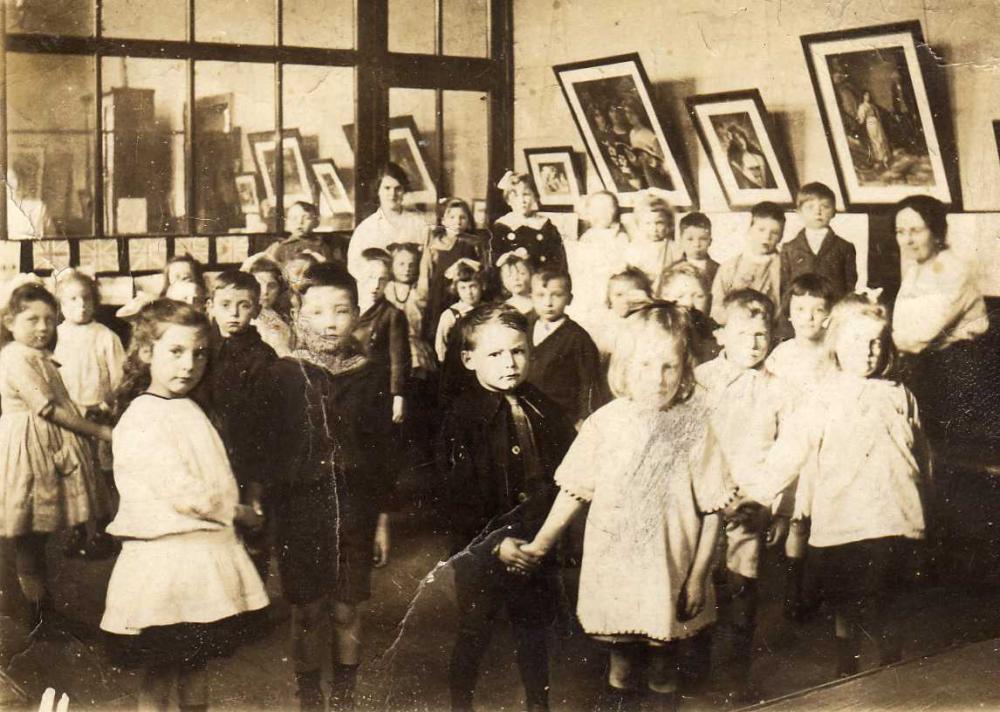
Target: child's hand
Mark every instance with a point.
(105, 433)
(248, 516)
(535, 551)
(398, 409)
(691, 602)
(380, 553)
(777, 531)
(510, 555)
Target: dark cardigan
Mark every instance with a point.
(566, 368)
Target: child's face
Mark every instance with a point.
(33, 326)
(499, 358)
(455, 220)
(654, 226)
(232, 310)
(763, 236)
(745, 338)
(76, 303)
(655, 369)
(550, 299)
(859, 346)
(180, 272)
(522, 200)
(516, 278)
(177, 361)
(390, 194)
(325, 317)
(299, 221)
(686, 291)
(404, 267)
(602, 211)
(270, 288)
(817, 213)
(188, 293)
(619, 291)
(695, 241)
(469, 291)
(373, 277)
(808, 315)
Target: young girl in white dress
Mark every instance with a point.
(183, 578)
(48, 480)
(655, 481)
(863, 467)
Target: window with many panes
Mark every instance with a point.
(136, 129)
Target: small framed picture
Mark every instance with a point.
(331, 187)
(611, 102)
(735, 129)
(557, 180)
(884, 114)
(246, 189)
(297, 183)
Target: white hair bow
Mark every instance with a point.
(452, 271)
(506, 182)
(18, 280)
(135, 305)
(521, 253)
(870, 294)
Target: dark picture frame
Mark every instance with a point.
(996, 136)
(331, 187)
(739, 139)
(884, 110)
(298, 181)
(406, 149)
(557, 175)
(611, 102)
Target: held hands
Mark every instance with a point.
(777, 531)
(381, 547)
(518, 555)
(398, 409)
(691, 602)
(250, 516)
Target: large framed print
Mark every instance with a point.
(406, 149)
(885, 117)
(555, 175)
(735, 129)
(610, 100)
(297, 181)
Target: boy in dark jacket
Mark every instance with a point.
(235, 390)
(328, 495)
(499, 446)
(817, 249)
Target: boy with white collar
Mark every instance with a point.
(817, 249)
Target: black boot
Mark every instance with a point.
(616, 699)
(848, 656)
(310, 695)
(345, 678)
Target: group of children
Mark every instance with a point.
(254, 420)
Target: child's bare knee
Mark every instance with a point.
(345, 614)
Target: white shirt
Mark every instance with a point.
(800, 367)
(91, 360)
(544, 329)
(381, 230)
(815, 238)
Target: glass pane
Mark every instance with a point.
(319, 104)
(65, 17)
(143, 119)
(50, 145)
(145, 19)
(414, 144)
(319, 23)
(234, 105)
(466, 153)
(242, 21)
(466, 25)
(412, 26)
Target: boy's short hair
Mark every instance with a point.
(235, 279)
(812, 285)
(767, 211)
(376, 254)
(694, 220)
(814, 191)
(630, 274)
(496, 313)
(550, 275)
(329, 274)
(306, 206)
(750, 303)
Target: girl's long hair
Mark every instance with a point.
(149, 325)
(18, 301)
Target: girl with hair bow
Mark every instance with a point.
(524, 227)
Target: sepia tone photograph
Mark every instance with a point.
(453, 355)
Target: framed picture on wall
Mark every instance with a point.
(610, 100)
(735, 129)
(555, 174)
(884, 114)
(331, 188)
(246, 189)
(297, 183)
(406, 149)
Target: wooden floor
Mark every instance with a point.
(965, 678)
